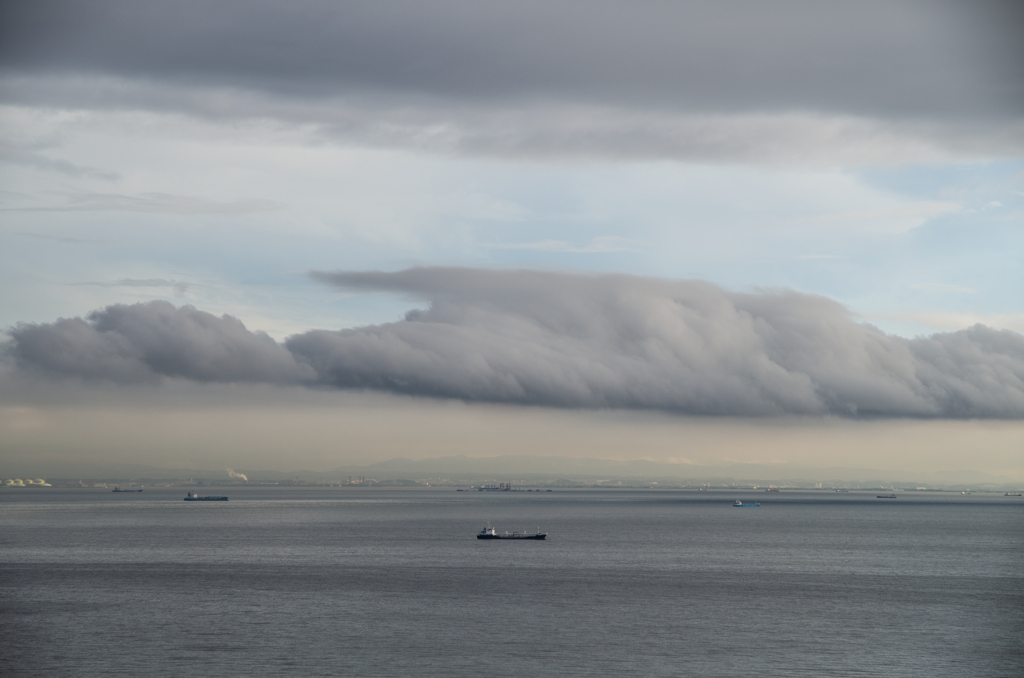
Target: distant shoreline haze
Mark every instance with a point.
(533, 471)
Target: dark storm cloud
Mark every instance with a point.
(576, 341)
(458, 64)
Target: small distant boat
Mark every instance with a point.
(772, 489)
(118, 489)
(886, 496)
(1013, 494)
(490, 533)
(192, 496)
(740, 504)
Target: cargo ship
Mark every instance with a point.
(490, 533)
(192, 496)
(885, 496)
(118, 489)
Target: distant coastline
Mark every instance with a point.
(534, 471)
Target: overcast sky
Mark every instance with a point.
(793, 212)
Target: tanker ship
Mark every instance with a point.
(490, 533)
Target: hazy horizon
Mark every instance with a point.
(525, 471)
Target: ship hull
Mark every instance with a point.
(206, 498)
(511, 536)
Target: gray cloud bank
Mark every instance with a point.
(871, 57)
(143, 342)
(645, 78)
(564, 340)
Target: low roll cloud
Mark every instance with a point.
(564, 340)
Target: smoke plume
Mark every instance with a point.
(240, 476)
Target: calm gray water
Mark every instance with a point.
(357, 582)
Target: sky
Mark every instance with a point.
(303, 234)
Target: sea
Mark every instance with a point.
(350, 581)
